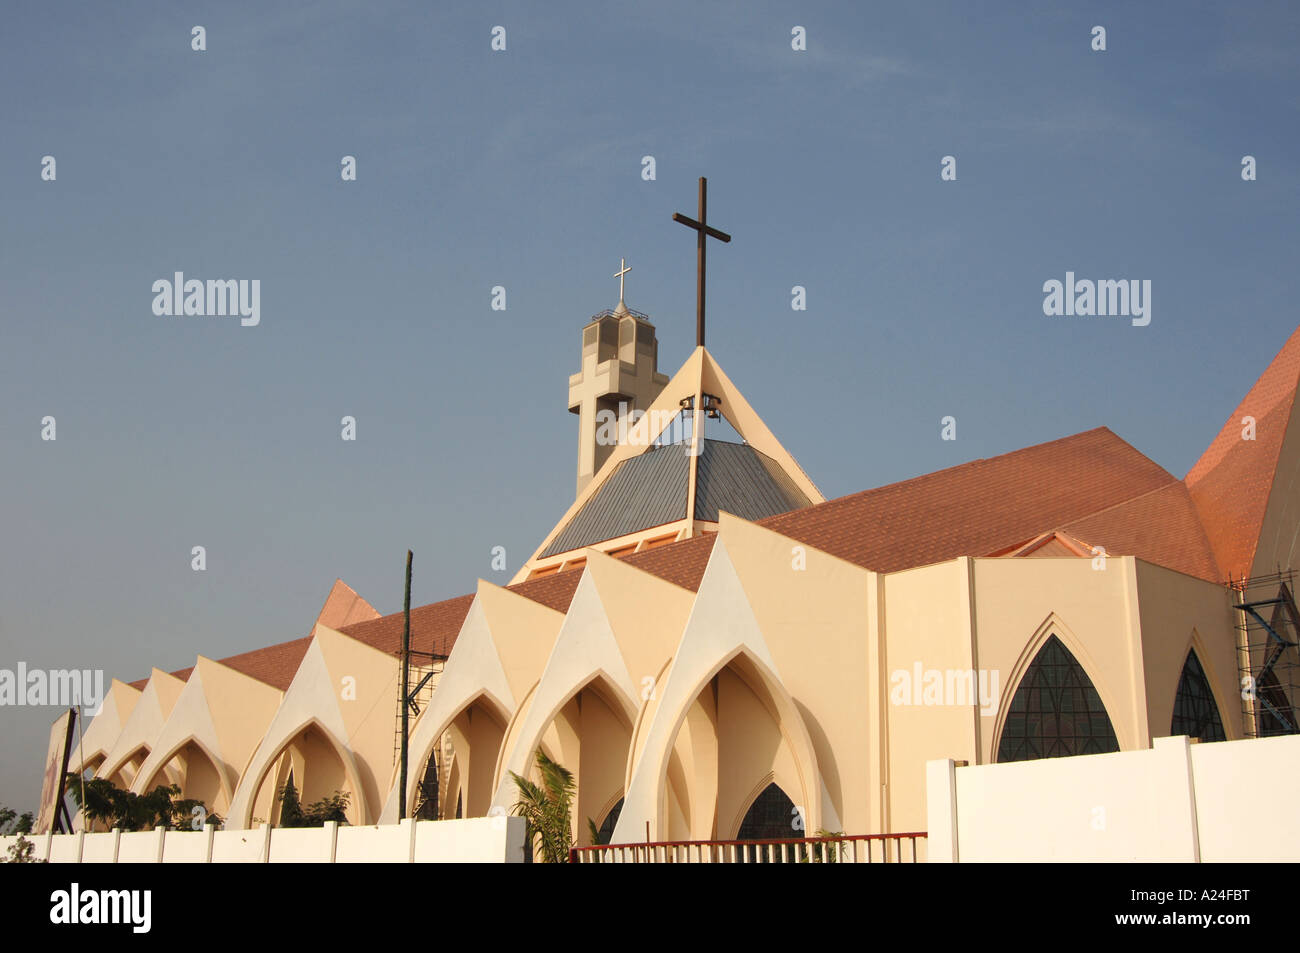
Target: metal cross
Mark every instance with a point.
(622, 262)
(703, 231)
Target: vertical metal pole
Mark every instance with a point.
(81, 762)
(699, 263)
(406, 686)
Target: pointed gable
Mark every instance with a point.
(1232, 481)
(649, 483)
(344, 607)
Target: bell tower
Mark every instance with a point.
(620, 374)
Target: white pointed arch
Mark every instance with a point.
(310, 698)
(721, 629)
(147, 719)
(647, 794)
(267, 757)
(472, 673)
(541, 715)
(585, 652)
(159, 759)
(499, 654)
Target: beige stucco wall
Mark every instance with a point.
(927, 622)
(1177, 611)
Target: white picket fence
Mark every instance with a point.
(475, 840)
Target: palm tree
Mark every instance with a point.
(545, 809)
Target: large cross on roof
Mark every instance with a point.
(703, 231)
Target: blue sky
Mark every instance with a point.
(522, 168)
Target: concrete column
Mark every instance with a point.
(1175, 764)
(409, 822)
(941, 811)
(332, 831)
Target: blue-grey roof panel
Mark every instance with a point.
(650, 490)
(644, 491)
(737, 478)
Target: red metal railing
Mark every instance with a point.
(844, 849)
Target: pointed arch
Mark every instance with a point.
(442, 719)
(1051, 626)
(476, 733)
(593, 720)
(135, 759)
(608, 820)
(520, 756)
(770, 814)
(772, 694)
(1055, 711)
(1197, 712)
(143, 785)
(246, 792)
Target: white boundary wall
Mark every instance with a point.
(1177, 801)
(476, 840)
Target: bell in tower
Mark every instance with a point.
(620, 374)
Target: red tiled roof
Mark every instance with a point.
(554, 591)
(275, 665)
(978, 507)
(681, 563)
(1161, 526)
(434, 627)
(1231, 482)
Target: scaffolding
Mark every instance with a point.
(424, 672)
(1268, 645)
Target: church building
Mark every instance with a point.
(718, 652)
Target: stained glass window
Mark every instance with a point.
(1195, 713)
(426, 795)
(607, 826)
(770, 817)
(1056, 711)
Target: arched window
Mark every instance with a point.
(1195, 713)
(770, 817)
(1056, 711)
(426, 795)
(607, 826)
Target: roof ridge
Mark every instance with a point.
(973, 464)
(1126, 502)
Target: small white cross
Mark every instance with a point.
(622, 263)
